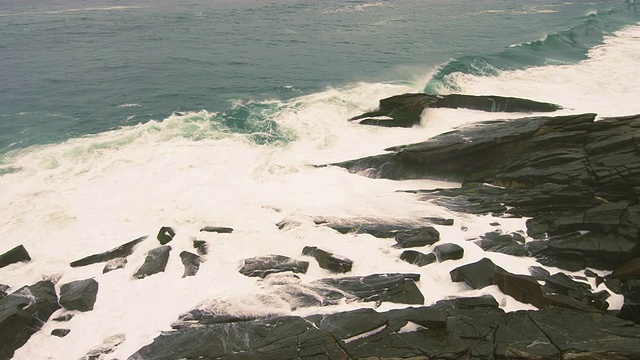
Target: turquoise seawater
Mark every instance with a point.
(71, 68)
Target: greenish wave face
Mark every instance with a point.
(564, 47)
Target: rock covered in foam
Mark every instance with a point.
(191, 263)
(416, 238)
(326, 260)
(165, 235)
(262, 266)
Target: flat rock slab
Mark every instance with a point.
(272, 264)
(121, 251)
(396, 288)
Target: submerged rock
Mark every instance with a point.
(510, 244)
(326, 260)
(191, 263)
(121, 251)
(60, 332)
(265, 265)
(416, 238)
(155, 262)
(114, 264)
(79, 295)
(107, 347)
(217, 229)
(15, 255)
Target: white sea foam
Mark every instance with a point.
(605, 83)
(90, 194)
(76, 10)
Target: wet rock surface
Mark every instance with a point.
(23, 313)
(450, 329)
(329, 261)
(405, 110)
(576, 178)
(15, 255)
(79, 295)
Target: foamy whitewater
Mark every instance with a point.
(87, 194)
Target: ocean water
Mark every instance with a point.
(117, 118)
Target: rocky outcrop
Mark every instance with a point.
(79, 295)
(576, 178)
(121, 251)
(155, 262)
(405, 110)
(559, 289)
(451, 329)
(22, 314)
(15, 255)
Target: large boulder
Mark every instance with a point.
(271, 264)
(448, 251)
(477, 275)
(79, 295)
(22, 314)
(155, 262)
(121, 251)
(15, 255)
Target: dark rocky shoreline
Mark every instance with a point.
(575, 179)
